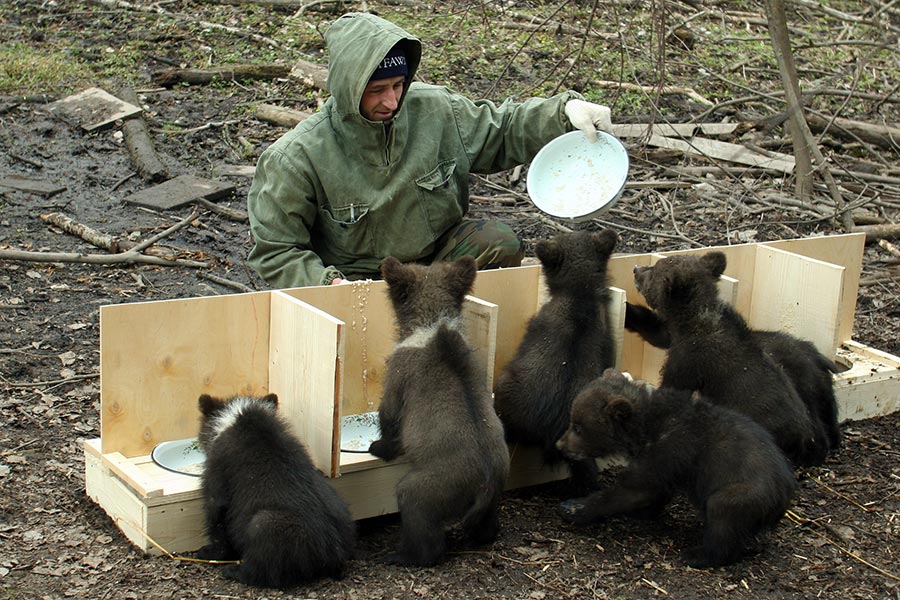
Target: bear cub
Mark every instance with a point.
(807, 368)
(728, 466)
(436, 410)
(714, 352)
(566, 344)
(265, 503)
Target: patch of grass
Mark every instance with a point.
(28, 70)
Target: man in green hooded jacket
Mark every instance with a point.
(382, 169)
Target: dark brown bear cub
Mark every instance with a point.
(566, 345)
(265, 503)
(807, 368)
(727, 465)
(713, 351)
(436, 410)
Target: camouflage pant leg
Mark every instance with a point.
(492, 243)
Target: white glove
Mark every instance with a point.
(588, 117)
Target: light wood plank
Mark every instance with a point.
(516, 291)
(797, 295)
(369, 337)
(304, 353)
(480, 323)
(725, 151)
(844, 250)
(156, 358)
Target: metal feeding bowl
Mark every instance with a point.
(572, 178)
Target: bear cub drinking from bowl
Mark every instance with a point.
(265, 502)
(436, 410)
(727, 465)
(567, 344)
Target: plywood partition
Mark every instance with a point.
(306, 351)
(798, 295)
(369, 336)
(516, 291)
(844, 250)
(156, 358)
(479, 319)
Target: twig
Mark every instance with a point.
(226, 282)
(161, 11)
(801, 520)
(153, 239)
(54, 381)
(666, 89)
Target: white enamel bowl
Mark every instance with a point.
(571, 178)
(180, 456)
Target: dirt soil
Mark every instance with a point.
(840, 541)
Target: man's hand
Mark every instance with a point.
(337, 281)
(588, 117)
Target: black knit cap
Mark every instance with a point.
(392, 65)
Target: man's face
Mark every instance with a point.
(381, 97)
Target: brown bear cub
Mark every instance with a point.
(567, 344)
(807, 368)
(265, 503)
(714, 352)
(436, 410)
(728, 466)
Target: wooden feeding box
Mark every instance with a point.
(323, 350)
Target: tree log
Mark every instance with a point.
(170, 77)
(279, 115)
(315, 75)
(884, 136)
(140, 144)
(890, 231)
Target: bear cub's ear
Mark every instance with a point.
(208, 404)
(605, 241)
(549, 253)
(399, 278)
(461, 276)
(714, 263)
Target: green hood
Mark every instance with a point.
(357, 42)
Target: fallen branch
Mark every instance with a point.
(286, 117)
(96, 259)
(140, 145)
(890, 231)
(133, 255)
(650, 89)
(235, 285)
(70, 225)
(154, 8)
(230, 213)
(884, 136)
(99, 239)
(170, 77)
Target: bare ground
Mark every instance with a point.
(841, 542)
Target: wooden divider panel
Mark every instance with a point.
(516, 292)
(798, 295)
(305, 370)
(369, 336)
(156, 358)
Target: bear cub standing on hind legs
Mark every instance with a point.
(714, 352)
(727, 465)
(567, 344)
(265, 502)
(436, 410)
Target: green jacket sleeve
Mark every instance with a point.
(501, 137)
(282, 210)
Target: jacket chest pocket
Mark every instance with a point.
(347, 231)
(438, 192)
